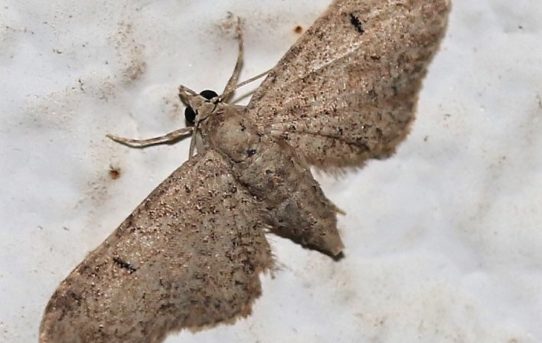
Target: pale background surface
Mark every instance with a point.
(443, 239)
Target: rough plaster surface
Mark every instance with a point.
(443, 239)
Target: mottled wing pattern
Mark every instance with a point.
(347, 90)
(189, 255)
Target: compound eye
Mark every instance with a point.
(189, 116)
(208, 94)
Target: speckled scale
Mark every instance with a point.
(347, 90)
(188, 256)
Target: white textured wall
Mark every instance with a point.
(443, 239)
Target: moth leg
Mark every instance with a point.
(193, 140)
(168, 138)
(234, 78)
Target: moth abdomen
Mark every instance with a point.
(270, 169)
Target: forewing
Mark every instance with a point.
(347, 89)
(188, 256)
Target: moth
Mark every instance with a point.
(191, 253)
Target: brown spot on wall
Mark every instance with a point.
(114, 172)
(298, 29)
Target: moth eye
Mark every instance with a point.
(208, 94)
(189, 116)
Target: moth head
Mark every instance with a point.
(197, 105)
